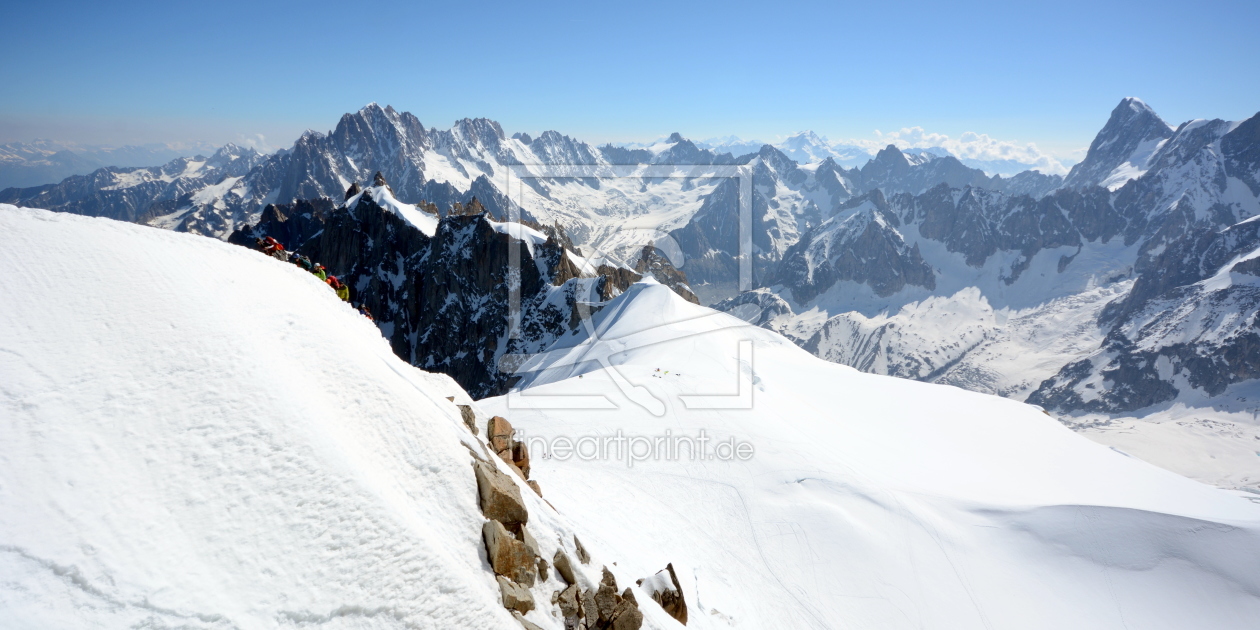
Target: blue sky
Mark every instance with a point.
(1047, 73)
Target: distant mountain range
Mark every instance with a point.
(1123, 286)
(48, 162)
(808, 147)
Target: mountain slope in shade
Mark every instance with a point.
(872, 501)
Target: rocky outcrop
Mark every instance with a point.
(513, 452)
(500, 497)
(470, 420)
(652, 261)
(499, 431)
(600, 608)
(666, 591)
(509, 556)
(515, 596)
(441, 300)
(564, 567)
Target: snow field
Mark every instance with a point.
(873, 501)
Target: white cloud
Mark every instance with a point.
(970, 146)
(257, 142)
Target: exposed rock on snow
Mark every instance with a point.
(500, 497)
(499, 432)
(564, 566)
(666, 591)
(470, 419)
(515, 596)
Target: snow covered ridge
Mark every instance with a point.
(199, 436)
(874, 501)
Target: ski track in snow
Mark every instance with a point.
(880, 502)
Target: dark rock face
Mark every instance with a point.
(653, 262)
(1241, 150)
(441, 301)
(861, 246)
(1173, 329)
(711, 239)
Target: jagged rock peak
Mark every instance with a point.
(310, 136)
(379, 179)
(890, 153)
(1133, 114)
(353, 190)
(1131, 126)
(676, 137)
(482, 129)
(1135, 105)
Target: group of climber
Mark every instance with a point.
(271, 247)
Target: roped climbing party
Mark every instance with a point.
(271, 247)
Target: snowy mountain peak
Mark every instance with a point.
(675, 138)
(482, 129)
(807, 147)
(1136, 105)
(1119, 151)
(230, 152)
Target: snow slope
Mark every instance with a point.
(194, 435)
(870, 501)
(418, 218)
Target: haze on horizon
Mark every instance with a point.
(141, 72)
